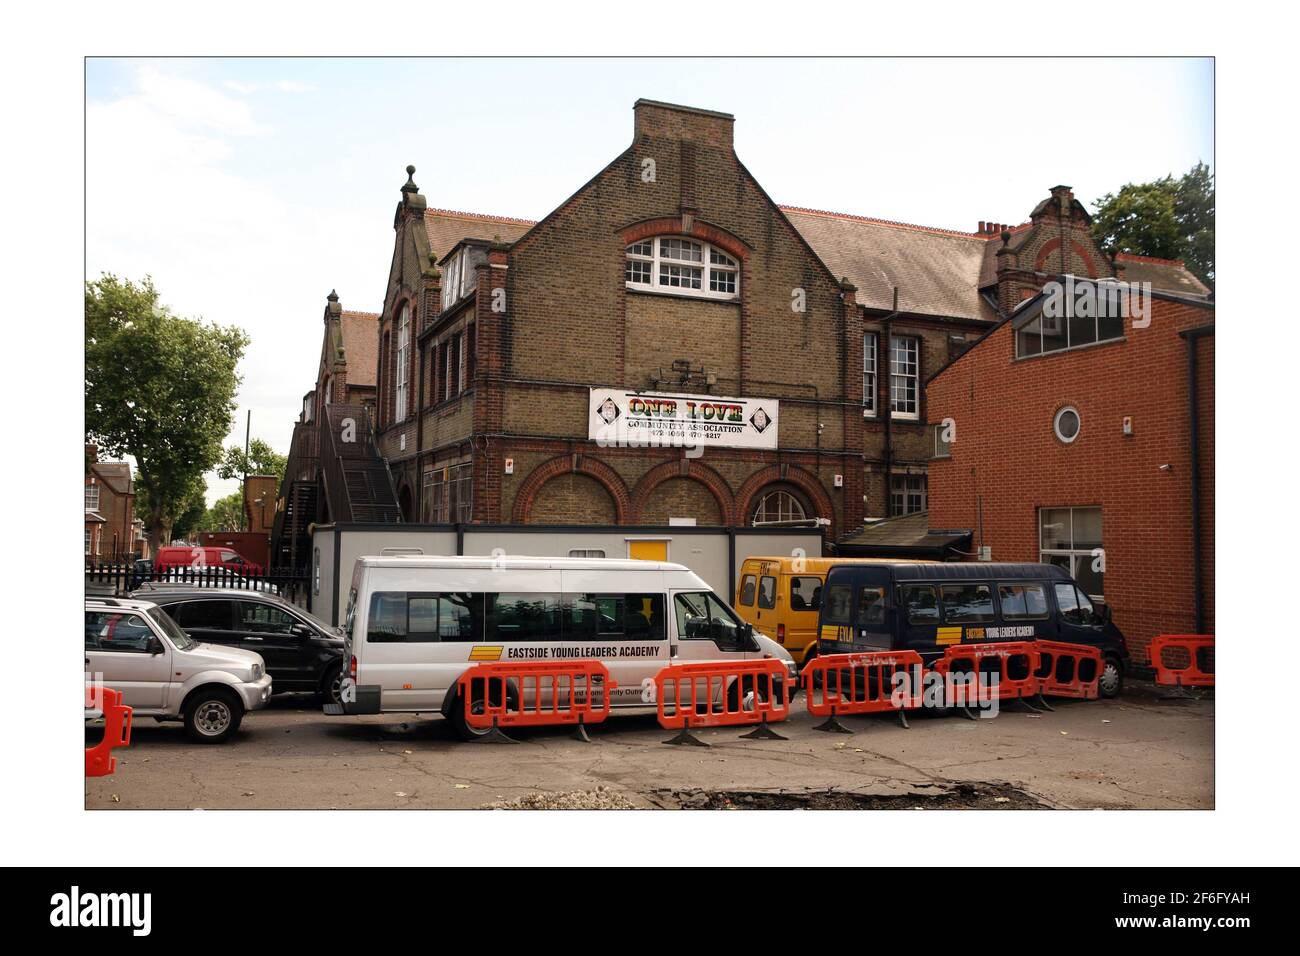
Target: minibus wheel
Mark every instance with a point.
(1111, 683)
(735, 699)
(464, 730)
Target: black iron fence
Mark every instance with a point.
(122, 577)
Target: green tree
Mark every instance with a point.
(159, 388)
(261, 459)
(190, 512)
(1168, 218)
(226, 514)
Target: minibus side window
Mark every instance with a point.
(767, 591)
(921, 603)
(838, 604)
(616, 617)
(701, 616)
(398, 617)
(747, 588)
(871, 606)
(1075, 606)
(805, 594)
(523, 617)
(1022, 602)
(967, 603)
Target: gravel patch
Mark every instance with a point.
(602, 798)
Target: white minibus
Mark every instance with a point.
(414, 623)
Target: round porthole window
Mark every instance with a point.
(1066, 424)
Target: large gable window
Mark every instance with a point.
(403, 363)
(681, 267)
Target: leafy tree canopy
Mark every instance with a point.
(1168, 218)
(226, 514)
(159, 388)
(261, 459)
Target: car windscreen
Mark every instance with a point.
(169, 627)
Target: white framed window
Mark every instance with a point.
(942, 447)
(1066, 424)
(779, 506)
(586, 552)
(403, 362)
(1071, 539)
(460, 275)
(904, 376)
(92, 497)
(89, 539)
(682, 267)
(907, 494)
(869, 374)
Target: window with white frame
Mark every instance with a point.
(89, 539)
(869, 374)
(904, 376)
(1071, 539)
(682, 267)
(92, 497)
(453, 372)
(906, 494)
(403, 361)
(779, 506)
(460, 275)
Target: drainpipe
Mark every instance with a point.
(1193, 436)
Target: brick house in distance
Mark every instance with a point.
(111, 527)
(1087, 440)
(669, 284)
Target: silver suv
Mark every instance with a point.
(133, 647)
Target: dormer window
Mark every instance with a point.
(681, 266)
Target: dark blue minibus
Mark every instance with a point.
(927, 607)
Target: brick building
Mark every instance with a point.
(668, 284)
(112, 530)
(348, 360)
(1088, 441)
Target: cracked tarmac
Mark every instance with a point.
(1136, 752)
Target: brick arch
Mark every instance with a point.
(729, 243)
(794, 475)
(606, 476)
(685, 468)
(1075, 246)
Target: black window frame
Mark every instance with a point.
(943, 602)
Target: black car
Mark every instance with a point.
(301, 652)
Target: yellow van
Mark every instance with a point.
(781, 596)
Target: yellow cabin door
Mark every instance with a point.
(648, 550)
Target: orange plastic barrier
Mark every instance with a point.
(100, 761)
(722, 693)
(533, 694)
(837, 685)
(1195, 673)
(1068, 670)
(1012, 662)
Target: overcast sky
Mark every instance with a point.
(250, 188)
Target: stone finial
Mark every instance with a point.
(410, 186)
(1006, 236)
(333, 296)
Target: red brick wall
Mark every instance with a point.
(1007, 456)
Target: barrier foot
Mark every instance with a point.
(832, 725)
(1042, 702)
(763, 732)
(685, 738)
(968, 714)
(495, 736)
(902, 719)
(580, 732)
(1026, 705)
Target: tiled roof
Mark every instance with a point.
(911, 532)
(446, 227)
(116, 474)
(937, 271)
(1165, 275)
(360, 345)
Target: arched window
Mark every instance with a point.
(779, 505)
(403, 363)
(682, 267)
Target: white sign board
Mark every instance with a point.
(639, 419)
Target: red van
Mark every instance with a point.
(187, 557)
